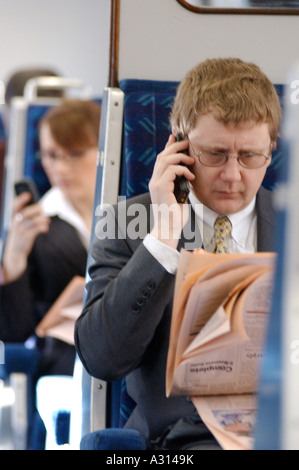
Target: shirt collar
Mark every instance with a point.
(240, 221)
(54, 203)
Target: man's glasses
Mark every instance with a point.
(216, 158)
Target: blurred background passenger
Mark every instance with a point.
(48, 241)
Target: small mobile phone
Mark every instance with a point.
(27, 185)
(181, 184)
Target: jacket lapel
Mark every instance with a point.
(190, 237)
(266, 220)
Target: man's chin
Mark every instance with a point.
(227, 206)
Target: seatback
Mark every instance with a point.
(147, 106)
(97, 410)
(134, 128)
(278, 410)
(127, 155)
(2, 154)
(20, 161)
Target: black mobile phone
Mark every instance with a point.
(27, 185)
(181, 184)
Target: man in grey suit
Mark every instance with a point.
(227, 115)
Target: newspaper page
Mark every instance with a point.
(217, 342)
(231, 419)
(59, 321)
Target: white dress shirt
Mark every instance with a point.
(55, 203)
(243, 237)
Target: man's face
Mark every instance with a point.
(229, 188)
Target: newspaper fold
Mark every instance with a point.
(219, 322)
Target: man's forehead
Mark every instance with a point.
(208, 121)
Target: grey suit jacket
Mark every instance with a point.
(124, 327)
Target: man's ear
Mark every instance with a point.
(269, 161)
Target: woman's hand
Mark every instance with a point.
(169, 216)
(28, 222)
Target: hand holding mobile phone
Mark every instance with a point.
(27, 185)
(181, 184)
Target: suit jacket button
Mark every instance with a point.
(136, 308)
(140, 302)
(146, 294)
(151, 285)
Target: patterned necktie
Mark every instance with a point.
(222, 228)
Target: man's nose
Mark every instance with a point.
(231, 170)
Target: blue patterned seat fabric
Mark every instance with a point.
(147, 107)
(33, 167)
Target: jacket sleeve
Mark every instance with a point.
(126, 299)
(17, 321)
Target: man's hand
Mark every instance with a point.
(169, 216)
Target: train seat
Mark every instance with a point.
(22, 145)
(134, 129)
(60, 397)
(2, 153)
(21, 161)
(145, 130)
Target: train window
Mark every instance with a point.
(280, 7)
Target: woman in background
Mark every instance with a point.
(47, 243)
